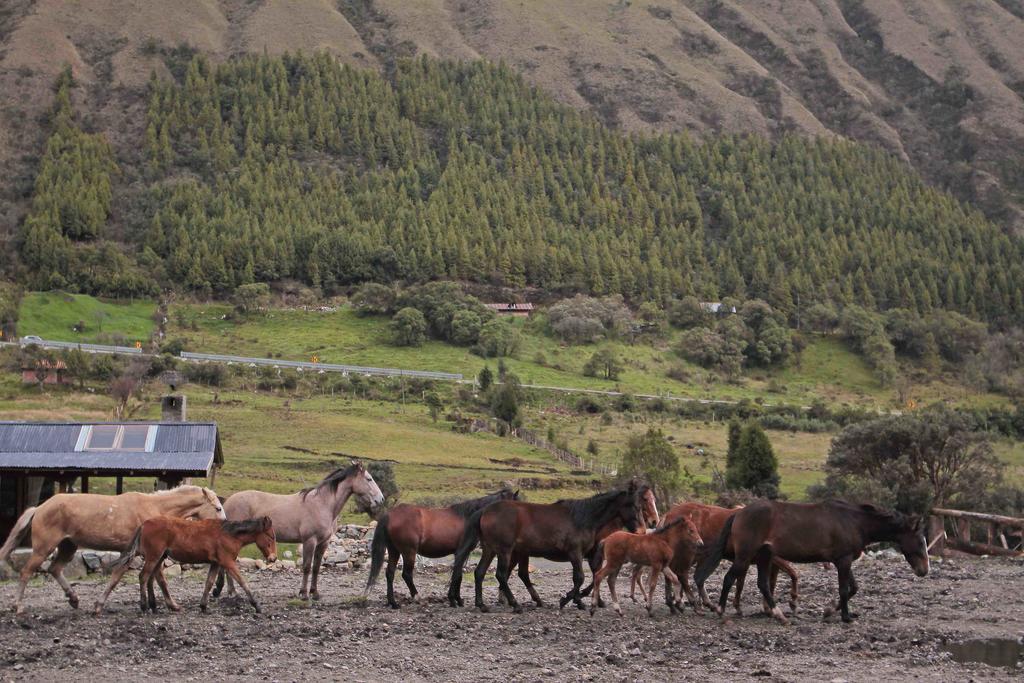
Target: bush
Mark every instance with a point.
(408, 327)
(604, 363)
(912, 462)
(584, 319)
(251, 298)
(650, 457)
(499, 338)
(505, 401)
(373, 299)
(686, 313)
(465, 328)
(212, 374)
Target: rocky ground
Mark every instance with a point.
(903, 624)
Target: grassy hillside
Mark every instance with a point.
(827, 369)
(283, 442)
(54, 315)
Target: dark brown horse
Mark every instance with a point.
(651, 518)
(195, 542)
(408, 530)
(833, 531)
(564, 531)
(710, 519)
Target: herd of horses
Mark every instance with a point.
(608, 530)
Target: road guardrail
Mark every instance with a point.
(326, 367)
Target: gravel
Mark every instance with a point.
(903, 623)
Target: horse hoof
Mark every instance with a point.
(203, 608)
(461, 603)
(395, 605)
(174, 608)
(517, 609)
(259, 610)
(73, 601)
(483, 608)
(315, 596)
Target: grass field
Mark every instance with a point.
(826, 369)
(280, 443)
(54, 315)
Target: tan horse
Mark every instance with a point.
(309, 517)
(68, 521)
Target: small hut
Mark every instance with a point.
(51, 372)
(38, 459)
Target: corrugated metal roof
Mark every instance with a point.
(189, 448)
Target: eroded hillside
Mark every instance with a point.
(938, 82)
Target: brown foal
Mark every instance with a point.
(654, 550)
(195, 542)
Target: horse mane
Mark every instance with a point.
(588, 513)
(240, 528)
(468, 507)
(673, 523)
(177, 489)
(333, 480)
(893, 518)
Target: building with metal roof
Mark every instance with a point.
(38, 457)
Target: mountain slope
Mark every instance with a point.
(938, 82)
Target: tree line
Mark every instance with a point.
(263, 168)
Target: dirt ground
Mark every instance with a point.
(903, 623)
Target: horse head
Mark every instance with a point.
(914, 544)
(266, 540)
(208, 506)
(365, 488)
(508, 494)
(630, 509)
(649, 507)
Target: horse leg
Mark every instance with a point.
(596, 594)
(147, 570)
(318, 558)
(27, 571)
(308, 550)
(634, 579)
(524, 576)
(502, 574)
(168, 600)
(846, 587)
(220, 585)
(65, 552)
(577, 582)
(408, 568)
(739, 592)
(613, 576)
(486, 557)
(211, 576)
(150, 593)
(737, 570)
(595, 560)
(115, 578)
(389, 574)
(671, 577)
(764, 560)
(232, 570)
(793, 594)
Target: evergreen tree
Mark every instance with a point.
(754, 466)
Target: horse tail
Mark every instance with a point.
(131, 551)
(713, 555)
(381, 540)
(21, 527)
(470, 538)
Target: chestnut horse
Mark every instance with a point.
(69, 520)
(196, 542)
(649, 512)
(709, 520)
(564, 531)
(654, 550)
(832, 531)
(408, 530)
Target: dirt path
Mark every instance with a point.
(903, 621)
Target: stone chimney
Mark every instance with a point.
(172, 408)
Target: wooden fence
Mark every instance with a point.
(537, 441)
(1002, 535)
